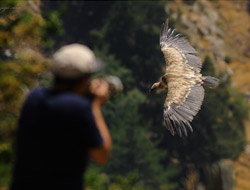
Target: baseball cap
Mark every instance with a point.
(74, 60)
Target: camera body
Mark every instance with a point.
(115, 85)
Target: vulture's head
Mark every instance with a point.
(161, 85)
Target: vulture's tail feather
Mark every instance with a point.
(211, 82)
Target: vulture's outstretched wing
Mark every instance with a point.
(185, 93)
(169, 39)
(178, 115)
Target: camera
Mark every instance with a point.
(115, 85)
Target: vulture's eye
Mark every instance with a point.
(164, 79)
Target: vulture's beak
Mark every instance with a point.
(156, 87)
(153, 88)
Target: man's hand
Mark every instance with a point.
(100, 89)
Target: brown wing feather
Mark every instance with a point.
(169, 42)
(180, 78)
(178, 116)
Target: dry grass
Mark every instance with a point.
(191, 181)
(235, 23)
(241, 75)
(242, 172)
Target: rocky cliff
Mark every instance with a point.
(221, 29)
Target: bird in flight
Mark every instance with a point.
(182, 81)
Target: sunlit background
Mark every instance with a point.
(125, 35)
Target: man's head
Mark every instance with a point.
(72, 66)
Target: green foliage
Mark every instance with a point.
(208, 66)
(20, 63)
(95, 180)
(26, 16)
(7, 7)
(128, 182)
(114, 67)
(13, 24)
(131, 32)
(190, 2)
(5, 172)
(227, 59)
(53, 26)
(227, 114)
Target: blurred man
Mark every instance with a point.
(59, 128)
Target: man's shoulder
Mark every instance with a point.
(59, 100)
(67, 100)
(70, 99)
(35, 95)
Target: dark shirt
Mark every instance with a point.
(55, 130)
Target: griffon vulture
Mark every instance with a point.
(182, 81)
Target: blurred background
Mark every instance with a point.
(125, 35)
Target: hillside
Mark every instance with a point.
(221, 29)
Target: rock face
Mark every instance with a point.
(220, 175)
(221, 29)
